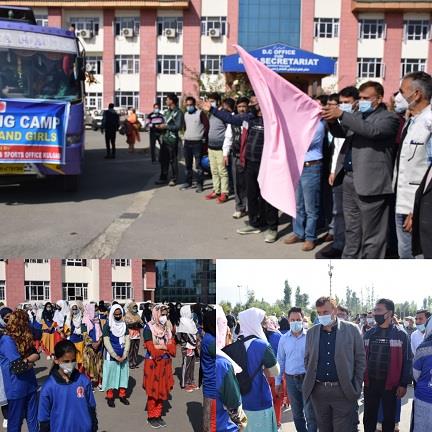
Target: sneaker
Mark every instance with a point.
(154, 423)
(239, 214)
(172, 183)
(185, 186)
(212, 195)
(99, 387)
(292, 238)
(5, 424)
(248, 229)
(162, 422)
(189, 389)
(222, 199)
(270, 236)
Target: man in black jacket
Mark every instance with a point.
(110, 125)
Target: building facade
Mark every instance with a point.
(141, 50)
(40, 280)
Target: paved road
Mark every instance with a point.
(404, 425)
(183, 411)
(118, 211)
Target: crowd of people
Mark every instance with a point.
(322, 368)
(93, 347)
(366, 174)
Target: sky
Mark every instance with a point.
(399, 280)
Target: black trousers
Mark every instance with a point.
(373, 395)
(153, 138)
(260, 212)
(169, 159)
(239, 179)
(110, 139)
(193, 150)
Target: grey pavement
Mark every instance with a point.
(183, 410)
(404, 425)
(119, 212)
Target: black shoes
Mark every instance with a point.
(332, 253)
(161, 182)
(111, 403)
(161, 422)
(124, 401)
(154, 423)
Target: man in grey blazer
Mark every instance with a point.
(365, 164)
(335, 363)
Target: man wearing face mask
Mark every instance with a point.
(335, 364)
(388, 369)
(412, 160)
(196, 132)
(369, 323)
(417, 336)
(367, 159)
(154, 118)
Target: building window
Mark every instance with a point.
(172, 23)
(94, 101)
(416, 29)
(130, 23)
(2, 290)
(75, 291)
(85, 23)
(412, 65)
(161, 98)
(94, 64)
(127, 64)
(75, 262)
(37, 290)
(326, 27)
(126, 99)
(122, 290)
(120, 262)
(213, 23)
(372, 29)
(169, 64)
(36, 261)
(211, 64)
(370, 68)
(42, 20)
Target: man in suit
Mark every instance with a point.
(422, 217)
(335, 363)
(110, 125)
(365, 164)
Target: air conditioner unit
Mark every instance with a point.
(128, 32)
(170, 33)
(214, 33)
(85, 34)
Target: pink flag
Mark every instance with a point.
(290, 120)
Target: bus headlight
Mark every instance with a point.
(73, 139)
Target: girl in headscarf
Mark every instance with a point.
(134, 324)
(422, 374)
(5, 314)
(92, 357)
(116, 366)
(76, 330)
(158, 377)
(103, 313)
(132, 129)
(147, 313)
(186, 334)
(48, 330)
(61, 315)
(17, 358)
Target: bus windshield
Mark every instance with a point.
(38, 75)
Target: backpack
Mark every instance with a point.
(237, 351)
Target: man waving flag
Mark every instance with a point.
(290, 121)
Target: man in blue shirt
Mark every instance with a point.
(290, 357)
(308, 194)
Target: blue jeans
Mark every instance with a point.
(308, 203)
(20, 409)
(404, 238)
(302, 410)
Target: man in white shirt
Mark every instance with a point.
(417, 336)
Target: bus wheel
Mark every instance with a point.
(70, 183)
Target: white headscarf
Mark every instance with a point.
(187, 324)
(117, 328)
(250, 323)
(77, 319)
(60, 315)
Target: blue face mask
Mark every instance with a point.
(191, 109)
(421, 327)
(296, 326)
(156, 110)
(365, 106)
(325, 320)
(346, 107)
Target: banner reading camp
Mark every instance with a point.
(33, 131)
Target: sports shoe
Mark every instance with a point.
(99, 387)
(212, 195)
(185, 186)
(222, 199)
(5, 424)
(172, 183)
(248, 229)
(189, 389)
(162, 422)
(154, 423)
(239, 214)
(270, 236)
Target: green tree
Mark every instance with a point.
(313, 316)
(287, 294)
(298, 297)
(226, 306)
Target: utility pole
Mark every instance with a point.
(330, 273)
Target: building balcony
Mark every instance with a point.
(118, 4)
(391, 6)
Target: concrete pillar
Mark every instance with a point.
(307, 24)
(56, 279)
(15, 291)
(233, 26)
(108, 57)
(137, 279)
(105, 280)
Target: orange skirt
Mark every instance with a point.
(158, 378)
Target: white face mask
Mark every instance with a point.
(67, 368)
(163, 319)
(401, 104)
(326, 320)
(370, 321)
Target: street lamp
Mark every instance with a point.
(330, 273)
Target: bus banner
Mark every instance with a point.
(33, 131)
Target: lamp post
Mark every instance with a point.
(330, 273)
